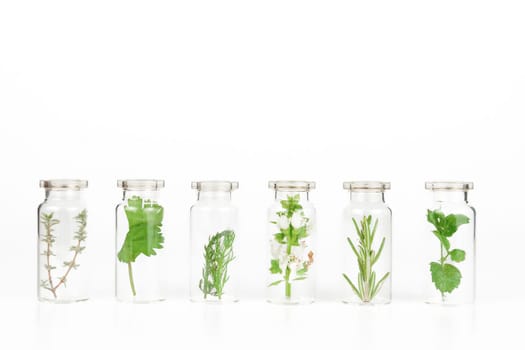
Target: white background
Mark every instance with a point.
(400, 91)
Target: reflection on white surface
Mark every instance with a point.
(258, 325)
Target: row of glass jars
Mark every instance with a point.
(367, 233)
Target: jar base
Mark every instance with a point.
(290, 301)
(370, 303)
(61, 301)
(131, 301)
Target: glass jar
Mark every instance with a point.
(213, 232)
(367, 229)
(139, 241)
(62, 233)
(291, 229)
(450, 249)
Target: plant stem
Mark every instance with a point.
(131, 283)
(48, 255)
(63, 279)
(442, 261)
(287, 284)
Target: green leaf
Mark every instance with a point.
(446, 278)
(280, 237)
(144, 232)
(461, 219)
(291, 205)
(300, 278)
(457, 255)
(275, 268)
(275, 283)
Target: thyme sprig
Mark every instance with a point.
(367, 288)
(80, 236)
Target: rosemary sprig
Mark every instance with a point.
(367, 288)
(80, 236)
(218, 253)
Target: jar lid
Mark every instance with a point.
(366, 186)
(292, 186)
(449, 186)
(64, 184)
(215, 186)
(140, 184)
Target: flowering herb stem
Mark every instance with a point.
(288, 262)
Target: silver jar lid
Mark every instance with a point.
(366, 186)
(215, 186)
(64, 184)
(449, 186)
(140, 184)
(292, 186)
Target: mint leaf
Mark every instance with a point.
(275, 268)
(457, 255)
(446, 277)
(461, 219)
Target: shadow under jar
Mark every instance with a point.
(213, 234)
(62, 233)
(367, 256)
(291, 229)
(450, 244)
(139, 242)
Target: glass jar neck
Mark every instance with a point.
(282, 195)
(450, 196)
(214, 196)
(64, 194)
(369, 197)
(144, 194)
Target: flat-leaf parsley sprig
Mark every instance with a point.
(144, 233)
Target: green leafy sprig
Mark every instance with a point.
(446, 276)
(80, 236)
(218, 253)
(367, 287)
(144, 233)
(290, 236)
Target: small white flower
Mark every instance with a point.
(298, 251)
(283, 222)
(276, 250)
(297, 220)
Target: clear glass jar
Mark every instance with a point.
(367, 229)
(62, 233)
(213, 232)
(139, 242)
(291, 229)
(450, 249)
